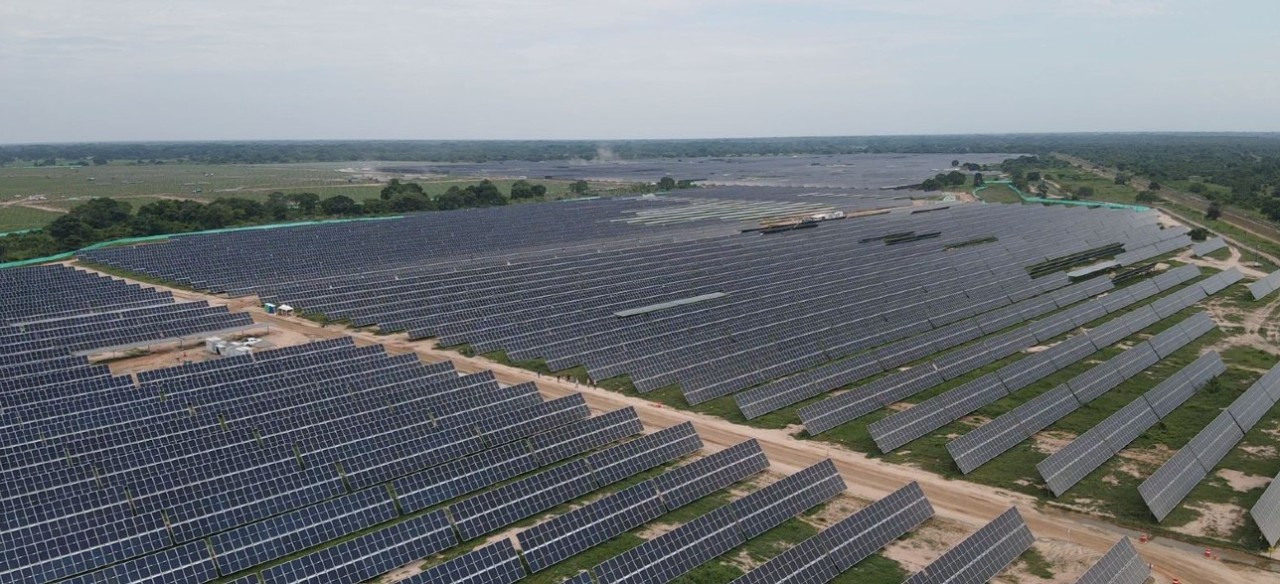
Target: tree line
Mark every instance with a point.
(105, 219)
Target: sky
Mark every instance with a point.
(138, 70)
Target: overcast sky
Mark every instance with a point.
(73, 70)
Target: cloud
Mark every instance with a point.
(186, 69)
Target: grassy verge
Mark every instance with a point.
(15, 218)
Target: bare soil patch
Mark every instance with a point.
(1215, 520)
(1241, 482)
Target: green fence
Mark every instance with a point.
(1069, 203)
(153, 238)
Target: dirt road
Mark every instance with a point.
(966, 503)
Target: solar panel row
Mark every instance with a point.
(982, 555)
(782, 316)
(1165, 488)
(832, 412)
(849, 541)
(898, 429)
(1066, 467)
(1265, 286)
(983, 444)
(674, 553)
(578, 530)
(1120, 565)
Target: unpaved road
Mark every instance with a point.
(959, 501)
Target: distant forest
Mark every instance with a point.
(1132, 148)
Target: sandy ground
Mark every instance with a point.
(1239, 481)
(967, 505)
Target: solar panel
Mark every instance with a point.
(769, 507)
(805, 563)
(674, 553)
(496, 563)
(1251, 405)
(259, 543)
(564, 536)
(856, 537)
(580, 437)
(187, 563)
(691, 482)
(523, 498)
(982, 555)
(897, 430)
(1208, 246)
(369, 555)
(464, 476)
(624, 460)
(994, 438)
(1165, 488)
(1120, 565)
(1266, 513)
(1066, 467)
(1212, 443)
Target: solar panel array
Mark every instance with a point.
(993, 438)
(1208, 246)
(982, 555)
(1171, 483)
(1266, 513)
(1120, 565)
(1265, 286)
(50, 316)
(849, 541)
(228, 467)
(1066, 467)
(674, 553)
(778, 315)
(900, 428)
(784, 392)
(1157, 248)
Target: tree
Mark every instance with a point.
(395, 188)
(339, 205)
(579, 187)
(971, 166)
(277, 206)
(955, 163)
(99, 160)
(978, 180)
(1271, 208)
(307, 202)
(70, 232)
(667, 183)
(930, 184)
(1122, 179)
(521, 189)
(1085, 192)
(1153, 186)
(539, 190)
(102, 212)
(1198, 234)
(1214, 211)
(1033, 177)
(1198, 188)
(955, 178)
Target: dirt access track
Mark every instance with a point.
(966, 503)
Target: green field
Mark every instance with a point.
(15, 218)
(999, 194)
(66, 187)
